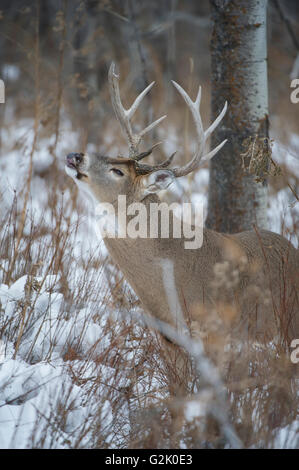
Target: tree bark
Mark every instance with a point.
(239, 75)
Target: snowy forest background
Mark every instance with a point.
(76, 370)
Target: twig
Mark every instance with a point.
(205, 368)
(36, 124)
(288, 184)
(60, 79)
(287, 25)
(135, 38)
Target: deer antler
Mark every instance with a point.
(124, 115)
(199, 156)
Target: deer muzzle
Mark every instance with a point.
(73, 160)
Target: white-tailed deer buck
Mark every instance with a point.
(239, 287)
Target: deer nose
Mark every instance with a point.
(74, 158)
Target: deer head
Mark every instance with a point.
(104, 178)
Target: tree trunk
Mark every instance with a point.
(239, 75)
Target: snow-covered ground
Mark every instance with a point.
(40, 405)
(46, 400)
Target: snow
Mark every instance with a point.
(31, 389)
(194, 409)
(28, 395)
(283, 208)
(10, 72)
(35, 378)
(287, 437)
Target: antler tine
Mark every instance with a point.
(124, 115)
(202, 135)
(147, 152)
(218, 119)
(167, 162)
(143, 169)
(193, 106)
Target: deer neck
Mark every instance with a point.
(128, 252)
(153, 267)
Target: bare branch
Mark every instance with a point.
(206, 370)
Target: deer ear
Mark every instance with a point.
(157, 181)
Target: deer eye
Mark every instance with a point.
(117, 171)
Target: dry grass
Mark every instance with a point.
(132, 372)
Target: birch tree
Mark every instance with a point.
(237, 200)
